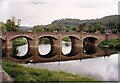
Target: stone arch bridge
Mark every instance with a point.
(78, 39)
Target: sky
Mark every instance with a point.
(42, 12)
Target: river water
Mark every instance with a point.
(102, 68)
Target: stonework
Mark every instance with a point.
(55, 38)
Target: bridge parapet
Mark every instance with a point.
(56, 35)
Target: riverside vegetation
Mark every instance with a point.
(20, 73)
(113, 43)
(19, 41)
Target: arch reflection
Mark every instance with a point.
(74, 48)
(51, 48)
(18, 43)
(90, 41)
(89, 49)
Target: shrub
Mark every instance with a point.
(113, 43)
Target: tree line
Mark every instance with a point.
(69, 25)
(11, 24)
(103, 25)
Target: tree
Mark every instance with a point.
(114, 31)
(97, 26)
(38, 28)
(3, 27)
(11, 24)
(74, 28)
(81, 27)
(91, 28)
(54, 27)
(102, 29)
(13, 19)
(18, 21)
(86, 29)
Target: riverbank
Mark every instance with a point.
(113, 44)
(4, 77)
(21, 73)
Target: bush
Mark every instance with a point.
(113, 43)
(114, 31)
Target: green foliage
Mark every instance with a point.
(44, 41)
(38, 28)
(67, 39)
(67, 22)
(102, 29)
(115, 31)
(3, 27)
(10, 25)
(20, 73)
(81, 27)
(113, 43)
(74, 29)
(54, 27)
(108, 22)
(19, 41)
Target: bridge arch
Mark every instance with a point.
(52, 51)
(14, 49)
(74, 45)
(71, 36)
(92, 40)
(25, 36)
(48, 36)
(89, 49)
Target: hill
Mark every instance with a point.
(108, 20)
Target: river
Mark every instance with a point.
(102, 68)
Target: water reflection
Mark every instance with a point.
(66, 48)
(22, 52)
(43, 51)
(103, 68)
(89, 49)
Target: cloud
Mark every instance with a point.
(33, 12)
(119, 7)
(37, 3)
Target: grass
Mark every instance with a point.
(21, 73)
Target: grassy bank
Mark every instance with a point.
(20, 73)
(113, 43)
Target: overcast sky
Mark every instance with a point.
(41, 12)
